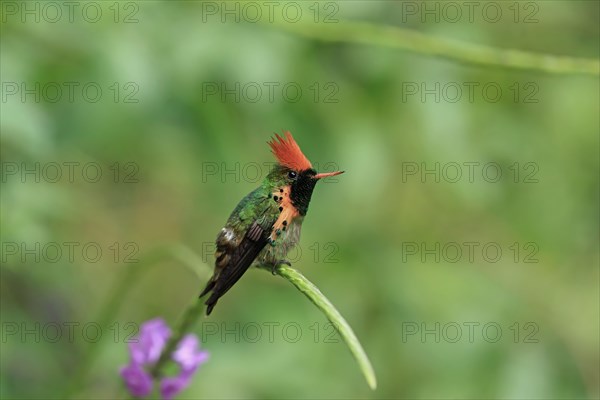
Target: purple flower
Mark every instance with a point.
(153, 337)
(145, 352)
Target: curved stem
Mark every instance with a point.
(455, 50)
(314, 295)
(333, 315)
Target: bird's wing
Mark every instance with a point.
(234, 259)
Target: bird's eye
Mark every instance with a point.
(292, 174)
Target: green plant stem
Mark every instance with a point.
(340, 324)
(429, 45)
(187, 323)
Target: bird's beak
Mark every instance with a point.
(327, 174)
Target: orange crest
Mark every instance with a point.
(288, 152)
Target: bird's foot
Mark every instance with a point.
(278, 263)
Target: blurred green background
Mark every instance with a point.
(176, 153)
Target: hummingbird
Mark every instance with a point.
(266, 224)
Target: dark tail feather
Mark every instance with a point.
(225, 281)
(209, 286)
(210, 303)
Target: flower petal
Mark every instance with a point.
(151, 340)
(188, 355)
(138, 381)
(169, 387)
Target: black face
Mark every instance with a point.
(302, 185)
